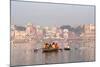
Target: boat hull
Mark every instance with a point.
(50, 50)
(66, 48)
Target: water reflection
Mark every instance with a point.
(24, 54)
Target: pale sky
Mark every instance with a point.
(47, 14)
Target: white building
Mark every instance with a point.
(89, 31)
(65, 33)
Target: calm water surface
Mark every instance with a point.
(23, 53)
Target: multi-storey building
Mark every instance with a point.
(18, 32)
(65, 33)
(89, 31)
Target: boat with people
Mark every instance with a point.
(67, 48)
(50, 47)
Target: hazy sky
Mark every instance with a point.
(46, 14)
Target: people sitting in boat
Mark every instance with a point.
(50, 46)
(46, 45)
(53, 45)
(66, 46)
(56, 45)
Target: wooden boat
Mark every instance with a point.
(67, 48)
(35, 50)
(50, 49)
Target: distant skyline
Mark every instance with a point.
(46, 14)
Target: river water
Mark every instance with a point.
(24, 54)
